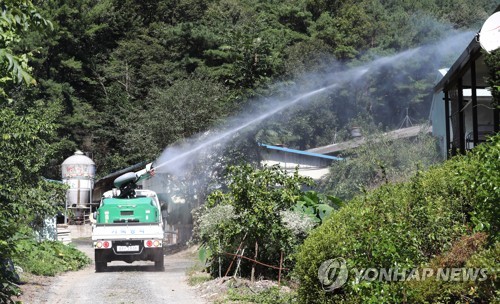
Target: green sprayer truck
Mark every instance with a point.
(129, 224)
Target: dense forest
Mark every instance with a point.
(125, 79)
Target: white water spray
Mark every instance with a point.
(219, 137)
(173, 159)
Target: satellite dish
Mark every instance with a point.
(489, 36)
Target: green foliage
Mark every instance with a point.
(48, 258)
(482, 261)
(107, 61)
(406, 225)
(317, 206)
(17, 17)
(25, 199)
(347, 33)
(479, 179)
(123, 79)
(197, 275)
(204, 254)
(26, 129)
(493, 62)
(379, 160)
(250, 212)
(488, 259)
(303, 126)
(25, 149)
(168, 115)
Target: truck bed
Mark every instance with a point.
(128, 231)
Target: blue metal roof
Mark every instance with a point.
(288, 150)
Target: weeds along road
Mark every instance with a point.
(124, 283)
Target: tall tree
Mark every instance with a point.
(26, 130)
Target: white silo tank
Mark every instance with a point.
(78, 172)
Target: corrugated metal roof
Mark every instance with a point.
(288, 150)
(351, 144)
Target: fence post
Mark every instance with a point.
(234, 257)
(252, 277)
(239, 263)
(281, 264)
(220, 262)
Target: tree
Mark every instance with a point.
(26, 130)
(18, 17)
(347, 31)
(167, 115)
(493, 62)
(250, 211)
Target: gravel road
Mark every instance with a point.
(123, 283)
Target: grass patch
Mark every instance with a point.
(48, 258)
(272, 295)
(196, 275)
(197, 278)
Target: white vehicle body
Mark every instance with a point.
(129, 241)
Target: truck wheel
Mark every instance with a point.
(100, 266)
(159, 263)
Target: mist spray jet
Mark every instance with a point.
(175, 156)
(244, 125)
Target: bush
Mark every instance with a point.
(469, 253)
(379, 160)
(405, 225)
(48, 257)
(251, 211)
(8, 280)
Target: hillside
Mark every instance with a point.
(128, 78)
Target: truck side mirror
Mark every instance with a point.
(95, 215)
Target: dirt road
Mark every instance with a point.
(122, 283)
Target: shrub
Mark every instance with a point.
(251, 211)
(467, 252)
(478, 177)
(405, 225)
(48, 257)
(379, 160)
